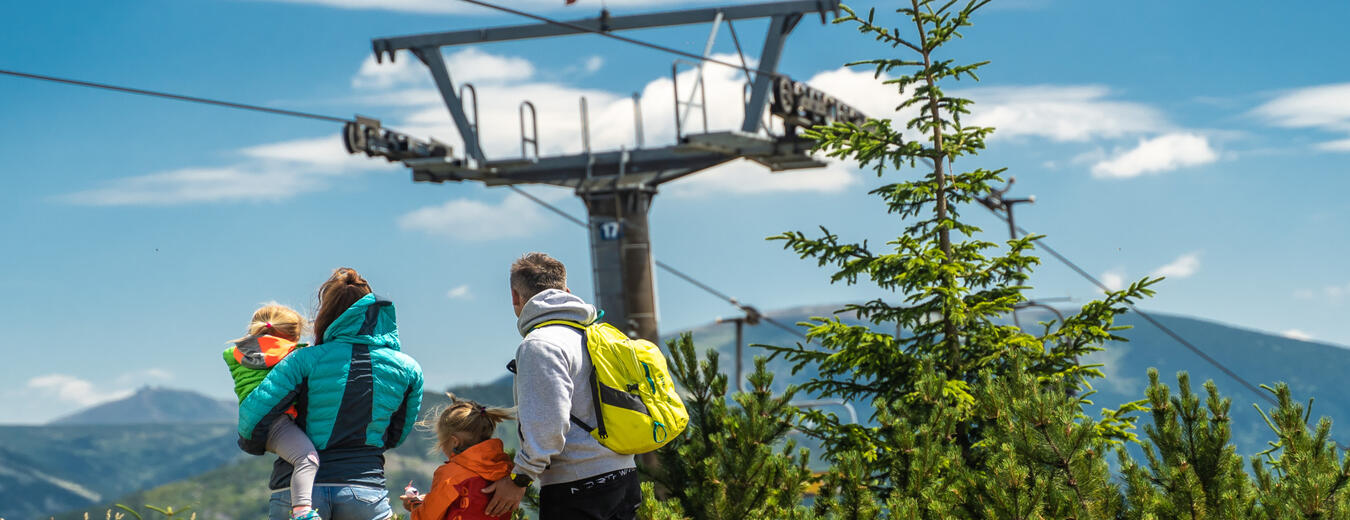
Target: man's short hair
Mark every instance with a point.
(535, 272)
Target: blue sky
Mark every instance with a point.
(1159, 137)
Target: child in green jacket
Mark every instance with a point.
(272, 335)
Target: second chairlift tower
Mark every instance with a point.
(617, 186)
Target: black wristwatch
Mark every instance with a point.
(521, 480)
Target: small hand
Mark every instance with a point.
(506, 497)
(410, 501)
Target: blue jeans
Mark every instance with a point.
(337, 502)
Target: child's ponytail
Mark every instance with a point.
(275, 319)
(471, 422)
(497, 415)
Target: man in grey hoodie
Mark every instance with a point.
(578, 477)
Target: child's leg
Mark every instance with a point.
(290, 443)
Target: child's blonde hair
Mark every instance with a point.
(275, 319)
(471, 422)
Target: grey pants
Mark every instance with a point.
(290, 443)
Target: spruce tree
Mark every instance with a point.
(734, 461)
(1193, 468)
(1193, 472)
(953, 293)
(1303, 475)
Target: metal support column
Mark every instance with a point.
(779, 27)
(621, 258)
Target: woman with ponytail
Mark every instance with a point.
(355, 395)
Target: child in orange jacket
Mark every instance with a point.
(475, 460)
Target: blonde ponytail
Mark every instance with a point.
(471, 422)
(277, 320)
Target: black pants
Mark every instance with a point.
(611, 496)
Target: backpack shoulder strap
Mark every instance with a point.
(594, 393)
(572, 324)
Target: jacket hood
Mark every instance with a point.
(486, 459)
(369, 321)
(264, 351)
(554, 304)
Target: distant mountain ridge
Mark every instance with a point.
(156, 405)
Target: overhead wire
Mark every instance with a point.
(626, 39)
(1164, 328)
(1040, 244)
(177, 97)
(1146, 316)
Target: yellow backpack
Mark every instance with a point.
(636, 405)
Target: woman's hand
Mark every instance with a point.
(410, 501)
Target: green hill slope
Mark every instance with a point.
(44, 469)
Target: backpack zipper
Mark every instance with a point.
(648, 371)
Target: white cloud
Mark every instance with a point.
(321, 152)
(73, 389)
(1065, 113)
(1342, 145)
(1326, 107)
(462, 292)
(1118, 378)
(143, 377)
(745, 177)
(583, 8)
(858, 88)
(469, 65)
(473, 220)
(1113, 280)
(1158, 154)
(1323, 107)
(404, 71)
(1297, 334)
(1061, 113)
(265, 173)
(593, 64)
(1183, 267)
(1333, 293)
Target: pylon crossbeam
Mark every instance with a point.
(387, 46)
(643, 167)
(575, 171)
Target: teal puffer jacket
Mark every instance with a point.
(355, 394)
